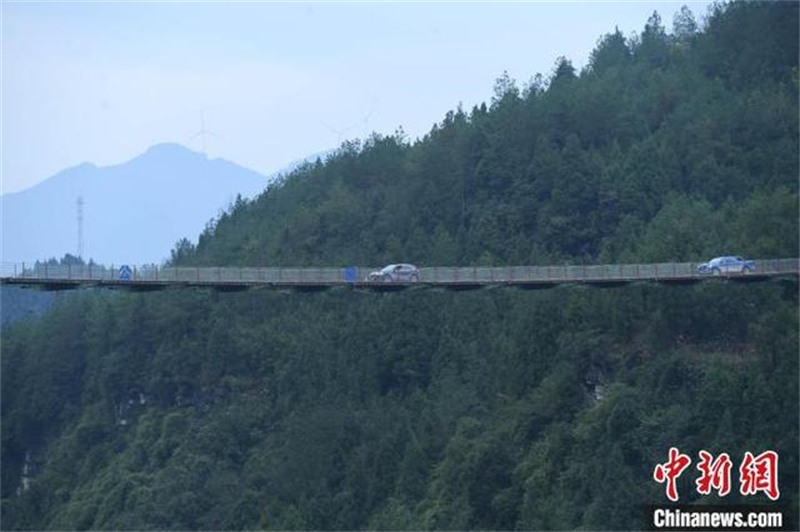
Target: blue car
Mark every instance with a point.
(730, 264)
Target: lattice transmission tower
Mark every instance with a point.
(80, 227)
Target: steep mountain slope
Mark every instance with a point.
(577, 168)
(497, 409)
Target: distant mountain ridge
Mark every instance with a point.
(133, 212)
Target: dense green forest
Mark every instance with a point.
(494, 409)
(18, 303)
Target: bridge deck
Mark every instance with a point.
(151, 277)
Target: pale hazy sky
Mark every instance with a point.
(102, 82)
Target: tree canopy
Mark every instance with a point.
(495, 409)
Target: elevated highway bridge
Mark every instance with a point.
(152, 277)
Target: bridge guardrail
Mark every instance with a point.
(441, 274)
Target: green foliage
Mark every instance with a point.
(498, 409)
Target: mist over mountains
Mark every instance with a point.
(133, 212)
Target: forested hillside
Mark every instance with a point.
(494, 409)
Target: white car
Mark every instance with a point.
(395, 273)
(729, 264)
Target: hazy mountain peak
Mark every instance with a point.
(169, 152)
(170, 148)
(86, 165)
(134, 211)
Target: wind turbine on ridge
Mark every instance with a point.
(203, 133)
(340, 133)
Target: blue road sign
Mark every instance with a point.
(125, 272)
(351, 274)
